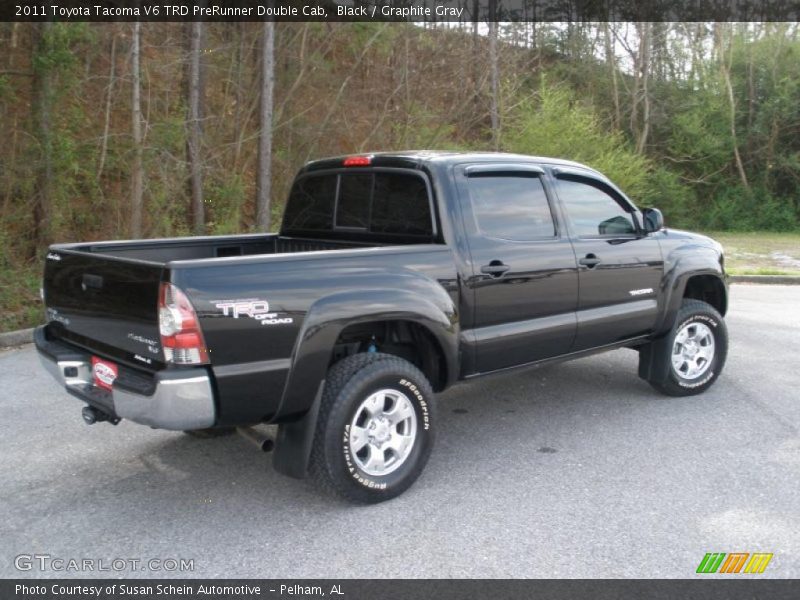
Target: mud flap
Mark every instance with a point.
(652, 367)
(293, 445)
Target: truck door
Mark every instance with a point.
(523, 279)
(619, 266)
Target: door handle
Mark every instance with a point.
(590, 260)
(495, 268)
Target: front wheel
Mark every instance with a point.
(375, 428)
(694, 351)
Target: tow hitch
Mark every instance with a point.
(92, 415)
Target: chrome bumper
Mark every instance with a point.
(182, 404)
(179, 401)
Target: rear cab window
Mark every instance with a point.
(377, 204)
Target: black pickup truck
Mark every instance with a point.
(394, 276)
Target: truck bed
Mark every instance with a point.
(162, 251)
(103, 296)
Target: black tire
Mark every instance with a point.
(674, 384)
(349, 383)
(211, 432)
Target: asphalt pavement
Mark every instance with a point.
(572, 470)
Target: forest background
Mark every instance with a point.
(123, 130)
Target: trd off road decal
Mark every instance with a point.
(254, 308)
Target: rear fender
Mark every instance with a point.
(426, 304)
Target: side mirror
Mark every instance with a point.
(616, 225)
(653, 220)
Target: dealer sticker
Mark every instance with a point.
(104, 372)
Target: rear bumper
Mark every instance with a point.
(177, 400)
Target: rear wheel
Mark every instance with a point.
(694, 351)
(374, 432)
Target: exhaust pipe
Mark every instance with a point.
(261, 440)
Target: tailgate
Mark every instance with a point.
(106, 304)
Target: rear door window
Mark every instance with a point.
(511, 206)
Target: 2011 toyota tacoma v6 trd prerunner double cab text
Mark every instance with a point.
(394, 276)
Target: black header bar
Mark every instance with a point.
(400, 10)
(405, 589)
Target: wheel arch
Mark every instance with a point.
(429, 310)
(434, 312)
(405, 337)
(708, 288)
(707, 284)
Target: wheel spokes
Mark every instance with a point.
(693, 350)
(374, 405)
(401, 411)
(376, 459)
(358, 438)
(399, 443)
(382, 432)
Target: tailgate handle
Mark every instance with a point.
(91, 281)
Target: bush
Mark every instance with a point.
(554, 123)
(736, 209)
(19, 295)
(225, 200)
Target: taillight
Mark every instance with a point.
(181, 337)
(357, 161)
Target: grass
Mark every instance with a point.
(760, 253)
(760, 271)
(757, 253)
(20, 306)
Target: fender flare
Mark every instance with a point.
(432, 308)
(680, 268)
(650, 367)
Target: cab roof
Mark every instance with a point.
(416, 158)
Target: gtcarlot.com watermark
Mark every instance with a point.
(47, 563)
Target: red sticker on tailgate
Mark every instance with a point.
(104, 372)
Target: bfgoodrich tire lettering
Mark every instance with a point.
(338, 459)
(701, 331)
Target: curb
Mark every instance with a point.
(767, 279)
(16, 338)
